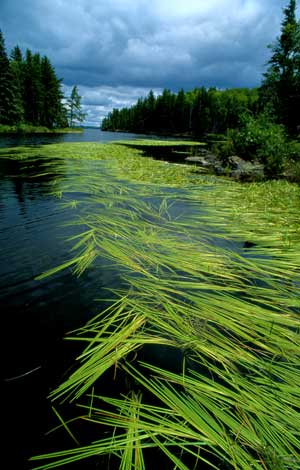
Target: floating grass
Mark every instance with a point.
(204, 339)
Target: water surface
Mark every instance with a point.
(36, 315)
(88, 135)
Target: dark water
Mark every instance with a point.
(89, 135)
(37, 314)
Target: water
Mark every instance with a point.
(37, 314)
(89, 135)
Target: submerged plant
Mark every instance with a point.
(196, 360)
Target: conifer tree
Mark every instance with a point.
(33, 93)
(10, 109)
(74, 110)
(280, 91)
(16, 65)
(52, 111)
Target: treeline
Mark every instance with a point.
(198, 112)
(204, 110)
(30, 91)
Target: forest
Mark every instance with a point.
(255, 123)
(198, 112)
(31, 94)
(30, 90)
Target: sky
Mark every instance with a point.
(115, 51)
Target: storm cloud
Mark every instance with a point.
(117, 50)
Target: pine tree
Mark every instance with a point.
(10, 110)
(16, 65)
(280, 91)
(74, 111)
(52, 111)
(181, 117)
(33, 92)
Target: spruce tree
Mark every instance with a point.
(10, 109)
(17, 68)
(52, 111)
(75, 114)
(32, 88)
(280, 91)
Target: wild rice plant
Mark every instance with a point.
(203, 343)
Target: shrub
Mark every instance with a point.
(258, 139)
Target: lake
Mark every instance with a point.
(37, 314)
(88, 135)
(212, 265)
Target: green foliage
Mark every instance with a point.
(292, 169)
(52, 110)
(10, 100)
(16, 65)
(198, 112)
(258, 139)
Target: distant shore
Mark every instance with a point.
(28, 129)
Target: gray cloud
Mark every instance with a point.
(116, 50)
(98, 101)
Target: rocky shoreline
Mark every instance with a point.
(235, 167)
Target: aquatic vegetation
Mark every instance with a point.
(161, 143)
(196, 359)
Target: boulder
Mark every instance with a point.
(235, 166)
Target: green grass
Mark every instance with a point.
(228, 311)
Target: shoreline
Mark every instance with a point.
(27, 129)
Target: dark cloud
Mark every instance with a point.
(130, 46)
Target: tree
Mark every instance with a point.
(181, 112)
(30, 91)
(280, 91)
(33, 90)
(17, 69)
(10, 106)
(74, 111)
(52, 111)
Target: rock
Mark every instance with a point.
(235, 166)
(201, 160)
(248, 171)
(235, 162)
(205, 159)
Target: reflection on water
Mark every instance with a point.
(89, 135)
(37, 314)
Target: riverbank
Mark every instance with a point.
(28, 129)
(259, 151)
(206, 158)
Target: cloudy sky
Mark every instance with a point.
(117, 50)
